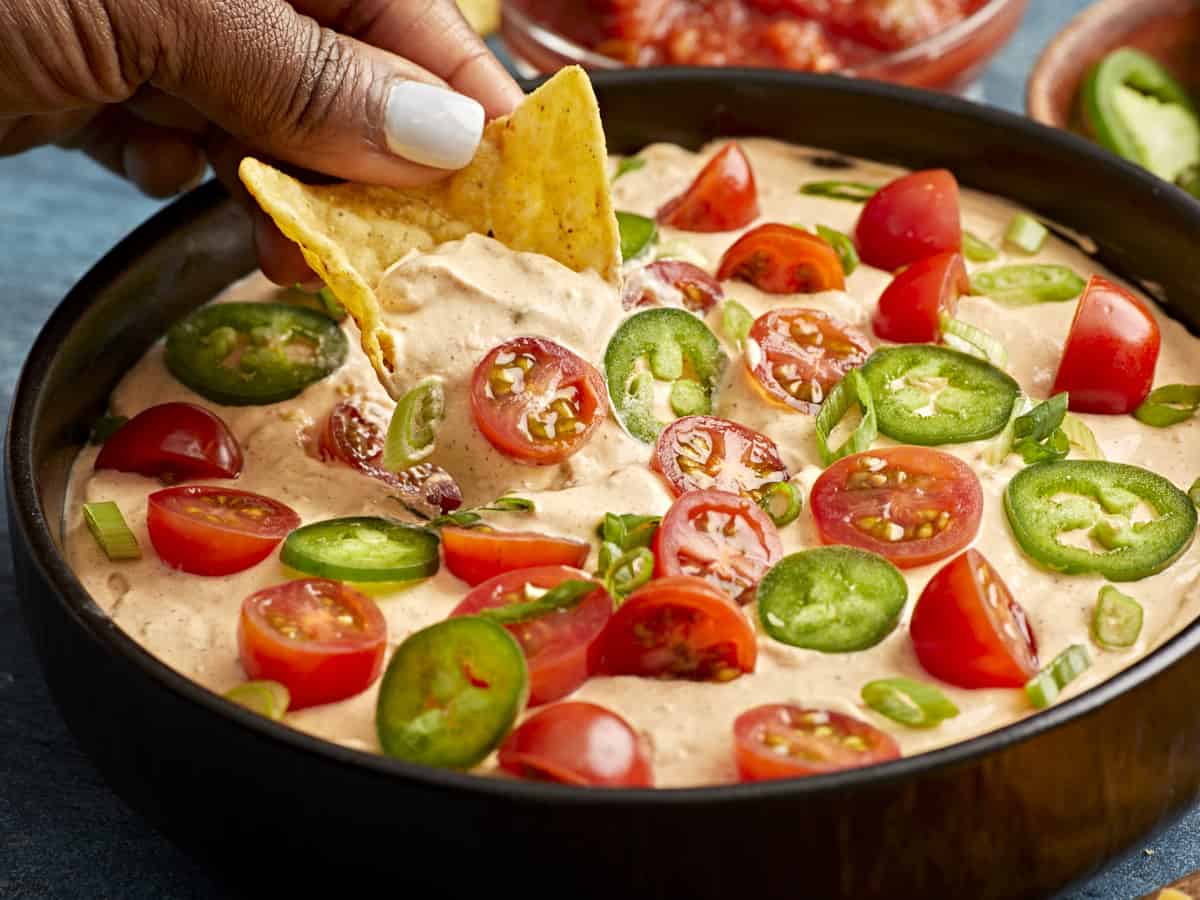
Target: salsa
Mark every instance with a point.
(811, 35)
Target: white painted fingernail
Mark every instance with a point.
(432, 125)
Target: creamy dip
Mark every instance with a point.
(449, 307)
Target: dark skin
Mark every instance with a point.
(156, 90)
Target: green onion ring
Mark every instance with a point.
(958, 335)
(1044, 688)
(412, 433)
(1169, 405)
(850, 390)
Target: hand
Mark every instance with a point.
(382, 91)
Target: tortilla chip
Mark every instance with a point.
(484, 15)
(537, 183)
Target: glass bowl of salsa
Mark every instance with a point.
(939, 44)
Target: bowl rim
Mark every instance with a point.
(936, 44)
(29, 525)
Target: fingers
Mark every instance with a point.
(431, 33)
(307, 95)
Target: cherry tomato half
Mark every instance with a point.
(672, 282)
(968, 630)
(910, 218)
(320, 639)
(577, 743)
(911, 505)
(911, 306)
(722, 198)
(557, 644)
(697, 452)
(783, 741)
(677, 627)
(175, 442)
(354, 434)
(723, 538)
(477, 554)
(797, 355)
(780, 259)
(536, 401)
(215, 531)
(1111, 351)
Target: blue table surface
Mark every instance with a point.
(63, 833)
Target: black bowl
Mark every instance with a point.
(1015, 813)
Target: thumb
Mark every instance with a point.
(298, 92)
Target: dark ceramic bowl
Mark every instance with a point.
(1015, 813)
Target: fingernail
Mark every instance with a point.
(432, 125)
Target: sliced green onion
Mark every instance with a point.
(976, 249)
(412, 433)
(909, 702)
(1117, 621)
(688, 398)
(854, 191)
(637, 234)
(509, 503)
(997, 452)
(1026, 233)
(628, 531)
(1194, 492)
(1044, 688)
(850, 390)
(781, 493)
(958, 335)
(563, 596)
(469, 518)
(842, 245)
(107, 525)
(1038, 435)
(267, 698)
(628, 572)
(1169, 405)
(1028, 283)
(105, 427)
(1081, 437)
(627, 165)
(736, 321)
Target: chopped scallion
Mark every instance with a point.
(1044, 688)
(628, 572)
(958, 335)
(563, 596)
(412, 433)
(637, 234)
(1028, 283)
(1194, 492)
(850, 390)
(1081, 437)
(1038, 435)
(736, 321)
(909, 702)
(782, 503)
(842, 245)
(267, 698)
(1169, 405)
(1117, 621)
(628, 531)
(976, 249)
(1026, 233)
(854, 191)
(627, 165)
(107, 525)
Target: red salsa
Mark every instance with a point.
(815, 35)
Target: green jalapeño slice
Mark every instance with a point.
(663, 347)
(930, 395)
(451, 693)
(1116, 520)
(243, 354)
(362, 548)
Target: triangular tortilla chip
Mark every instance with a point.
(538, 183)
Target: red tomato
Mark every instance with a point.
(780, 259)
(911, 218)
(723, 538)
(697, 452)
(672, 282)
(911, 307)
(322, 640)
(968, 630)
(577, 743)
(215, 531)
(536, 401)
(782, 741)
(477, 554)
(911, 505)
(798, 355)
(677, 627)
(722, 198)
(1108, 362)
(556, 644)
(354, 435)
(175, 442)
(880, 24)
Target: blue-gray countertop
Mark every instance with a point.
(63, 833)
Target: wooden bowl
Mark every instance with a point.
(1168, 30)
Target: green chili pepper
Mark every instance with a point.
(1169, 405)
(842, 245)
(912, 703)
(563, 596)
(637, 234)
(1117, 621)
(850, 390)
(792, 504)
(412, 433)
(1044, 688)
(1028, 283)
